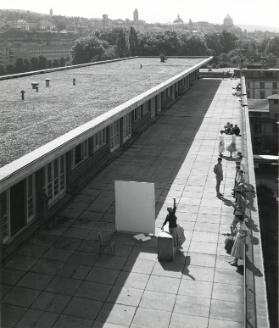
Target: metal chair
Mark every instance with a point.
(105, 247)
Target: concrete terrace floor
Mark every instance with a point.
(57, 279)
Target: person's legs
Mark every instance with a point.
(218, 182)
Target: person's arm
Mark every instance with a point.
(166, 220)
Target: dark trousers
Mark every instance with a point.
(218, 182)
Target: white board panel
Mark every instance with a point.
(134, 206)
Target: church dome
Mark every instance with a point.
(228, 20)
(178, 20)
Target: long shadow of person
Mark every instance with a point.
(186, 270)
(251, 225)
(251, 267)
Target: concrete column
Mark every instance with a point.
(153, 107)
(159, 103)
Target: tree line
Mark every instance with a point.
(227, 48)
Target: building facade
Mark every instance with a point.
(35, 186)
(261, 83)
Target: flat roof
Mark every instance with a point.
(51, 112)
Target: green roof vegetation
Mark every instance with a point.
(51, 112)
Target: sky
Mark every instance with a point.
(248, 12)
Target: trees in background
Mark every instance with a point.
(88, 49)
(227, 48)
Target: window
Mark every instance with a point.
(262, 94)
(99, 140)
(4, 223)
(261, 85)
(127, 126)
(248, 94)
(54, 179)
(275, 101)
(137, 114)
(114, 135)
(30, 192)
(248, 84)
(274, 85)
(80, 153)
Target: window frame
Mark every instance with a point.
(5, 238)
(49, 185)
(127, 126)
(30, 198)
(84, 154)
(114, 130)
(99, 140)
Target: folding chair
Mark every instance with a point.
(105, 247)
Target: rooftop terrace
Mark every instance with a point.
(58, 278)
(51, 112)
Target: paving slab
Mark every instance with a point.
(148, 317)
(51, 302)
(83, 308)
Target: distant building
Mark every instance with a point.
(19, 44)
(178, 20)
(264, 115)
(106, 21)
(47, 25)
(228, 21)
(21, 24)
(51, 12)
(136, 16)
(262, 88)
(261, 83)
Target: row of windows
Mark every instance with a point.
(81, 151)
(263, 85)
(262, 95)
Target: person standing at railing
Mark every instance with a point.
(239, 244)
(232, 146)
(221, 146)
(218, 170)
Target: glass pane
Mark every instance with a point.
(30, 185)
(78, 154)
(49, 173)
(3, 216)
(62, 164)
(56, 168)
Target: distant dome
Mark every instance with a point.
(228, 21)
(178, 20)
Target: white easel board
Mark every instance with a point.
(134, 206)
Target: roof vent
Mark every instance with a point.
(74, 81)
(47, 83)
(22, 94)
(35, 85)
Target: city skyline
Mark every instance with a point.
(262, 13)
